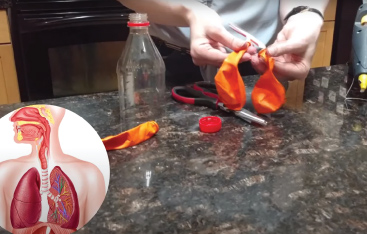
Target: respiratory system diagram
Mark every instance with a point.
(34, 123)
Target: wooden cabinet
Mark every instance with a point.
(9, 90)
(324, 47)
(4, 28)
(322, 57)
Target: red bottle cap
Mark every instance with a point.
(142, 24)
(210, 124)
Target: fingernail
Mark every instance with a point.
(244, 45)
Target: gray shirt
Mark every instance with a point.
(258, 17)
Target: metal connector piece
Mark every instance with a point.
(254, 41)
(245, 115)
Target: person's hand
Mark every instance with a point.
(294, 47)
(209, 39)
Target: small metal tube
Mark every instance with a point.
(245, 115)
(248, 116)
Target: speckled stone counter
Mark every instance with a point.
(5, 4)
(306, 172)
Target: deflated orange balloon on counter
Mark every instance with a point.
(268, 94)
(131, 137)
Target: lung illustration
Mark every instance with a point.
(25, 209)
(63, 201)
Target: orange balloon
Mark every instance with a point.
(131, 137)
(268, 94)
(229, 83)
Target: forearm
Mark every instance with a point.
(287, 5)
(170, 12)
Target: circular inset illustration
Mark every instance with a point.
(54, 171)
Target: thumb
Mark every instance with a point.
(290, 71)
(286, 47)
(228, 40)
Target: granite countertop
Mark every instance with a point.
(5, 4)
(306, 172)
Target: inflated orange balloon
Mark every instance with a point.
(131, 137)
(268, 94)
(229, 83)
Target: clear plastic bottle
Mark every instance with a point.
(141, 75)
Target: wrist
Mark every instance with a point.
(303, 10)
(309, 17)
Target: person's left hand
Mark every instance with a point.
(294, 47)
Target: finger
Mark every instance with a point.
(251, 50)
(222, 49)
(246, 57)
(227, 39)
(286, 47)
(290, 71)
(258, 65)
(208, 56)
(219, 46)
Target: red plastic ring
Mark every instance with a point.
(210, 124)
(138, 24)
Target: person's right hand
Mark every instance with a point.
(294, 47)
(209, 39)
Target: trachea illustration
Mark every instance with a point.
(33, 124)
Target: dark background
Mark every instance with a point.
(344, 20)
